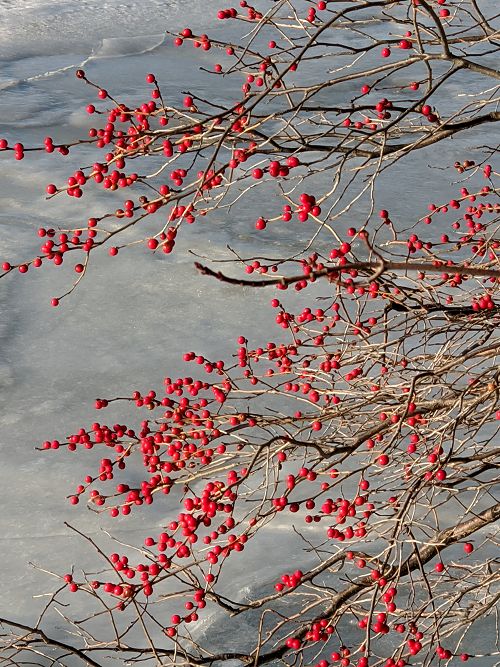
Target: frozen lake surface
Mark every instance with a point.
(116, 334)
(122, 330)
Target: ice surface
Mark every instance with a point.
(114, 334)
(48, 27)
(53, 364)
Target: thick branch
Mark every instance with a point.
(378, 267)
(444, 539)
(51, 641)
